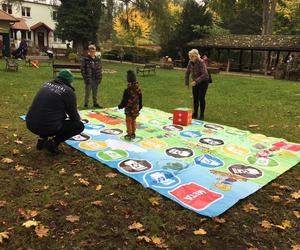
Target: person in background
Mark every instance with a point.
(53, 114)
(132, 102)
(197, 68)
(121, 54)
(91, 70)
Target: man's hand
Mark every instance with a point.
(193, 83)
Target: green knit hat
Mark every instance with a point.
(66, 74)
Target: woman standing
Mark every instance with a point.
(197, 68)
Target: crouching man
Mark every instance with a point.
(53, 114)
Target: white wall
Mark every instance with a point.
(39, 12)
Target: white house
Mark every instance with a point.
(36, 22)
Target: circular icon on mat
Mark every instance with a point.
(213, 126)
(80, 137)
(259, 138)
(112, 155)
(112, 131)
(197, 122)
(211, 141)
(262, 161)
(208, 161)
(135, 166)
(157, 122)
(191, 134)
(179, 152)
(153, 143)
(175, 128)
(94, 126)
(161, 179)
(245, 171)
(233, 149)
(93, 145)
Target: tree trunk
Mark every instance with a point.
(267, 26)
(268, 16)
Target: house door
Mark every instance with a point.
(41, 39)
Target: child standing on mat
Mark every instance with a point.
(132, 102)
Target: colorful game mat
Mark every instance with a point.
(204, 167)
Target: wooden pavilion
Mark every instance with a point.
(250, 43)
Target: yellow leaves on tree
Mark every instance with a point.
(132, 27)
(288, 9)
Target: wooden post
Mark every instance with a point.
(268, 60)
(277, 58)
(228, 58)
(251, 61)
(241, 60)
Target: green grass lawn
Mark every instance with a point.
(37, 181)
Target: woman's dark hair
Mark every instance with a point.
(131, 76)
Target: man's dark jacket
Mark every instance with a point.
(91, 69)
(52, 104)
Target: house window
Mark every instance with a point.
(54, 15)
(7, 8)
(29, 35)
(26, 11)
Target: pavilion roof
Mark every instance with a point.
(255, 42)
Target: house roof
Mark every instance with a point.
(255, 42)
(21, 25)
(39, 25)
(7, 17)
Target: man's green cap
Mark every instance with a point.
(66, 74)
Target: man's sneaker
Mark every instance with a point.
(85, 106)
(133, 136)
(40, 144)
(194, 115)
(201, 118)
(52, 147)
(98, 106)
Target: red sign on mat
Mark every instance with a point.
(287, 146)
(195, 196)
(104, 119)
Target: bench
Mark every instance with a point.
(214, 70)
(11, 65)
(73, 67)
(29, 59)
(146, 68)
(60, 53)
(179, 63)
